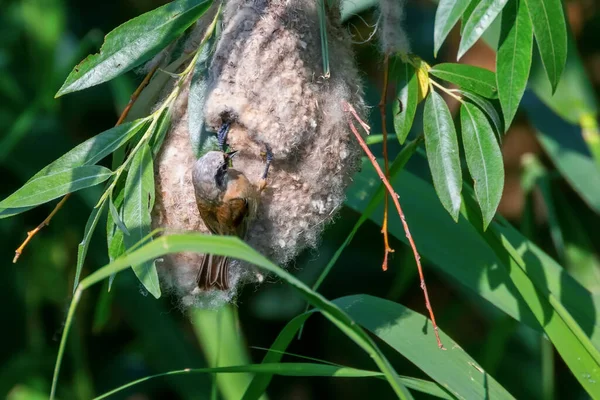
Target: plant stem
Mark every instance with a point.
(382, 103)
(60, 204)
(394, 195)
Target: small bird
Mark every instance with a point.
(227, 202)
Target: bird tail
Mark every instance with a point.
(213, 273)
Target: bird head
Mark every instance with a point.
(209, 175)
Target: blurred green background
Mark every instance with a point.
(123, 335)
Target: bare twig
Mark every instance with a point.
(382, 103)
(122, 117)
(394, 195)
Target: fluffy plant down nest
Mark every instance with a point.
(266, 76)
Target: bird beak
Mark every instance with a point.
(231, 154)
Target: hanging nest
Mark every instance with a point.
(266, 77)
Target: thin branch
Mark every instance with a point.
(38, 228)
(394, 195)
(60, 204)
(382, 103)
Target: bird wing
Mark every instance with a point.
(233, 217)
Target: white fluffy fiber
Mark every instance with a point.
(392, 35)
(266, 75)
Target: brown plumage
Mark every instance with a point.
(227, 202)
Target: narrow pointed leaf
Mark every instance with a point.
(406, 99)
(82, 249)
(114, 235)
(235, 247)
(96, 148)
(87, 153)
(467, 14)
(482, 17)
(49, 187)
(139, 192)
(564, 144)
(446, 16)
(162, 127)
(488, 108)
(442, 153)
(200, 138)
(133, 43)
(116, 218)
(484, 159)
(403, 329)
(574, 98)
(468, 77)
(480, 269)
(513, 60)
(292, 369)
(550, 32)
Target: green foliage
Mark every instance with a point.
(484, 159)
(480, 19)
(473, 79)
(446, 16)
(513, 59)
(134, 43)
(503, 273)
(406, 99)
(442, 152)
(551, 36)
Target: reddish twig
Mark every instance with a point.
(382, 103)
(122, 117)
(38, 228)
(395, 197)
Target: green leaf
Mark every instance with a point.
(550, 32)
(550, 309)
(277, 351)
(114, 235)
(580, 258)
(160, 132)
(574, 97)
(82, 249)
(489, 109)
(446, 16)
(259, 384)
(513, 60)
(137, 204)
(87, 153)
(56, 184)
(236, 248)
(482, 17)
(133, 43)
(322, 15)
(442, 153)
(199, 136)
(564, 143)
(403, 329)
(221, 338)
(479, 270)
(407, 98)
(467, 14)
(116, 218)
(96, 148)
(291, 369)
(468, 77)
(484, 160)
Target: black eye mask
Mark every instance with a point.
(220, 175)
